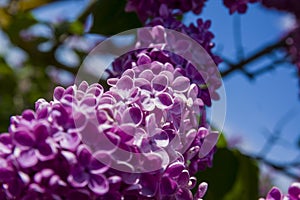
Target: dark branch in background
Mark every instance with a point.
(272, 139)
(258, 54)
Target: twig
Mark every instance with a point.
(258, 54)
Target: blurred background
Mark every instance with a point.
(43, 43)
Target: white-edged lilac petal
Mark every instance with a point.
(193, 91)
(160, 83)
(83, 86)
(158, 33)
(156, 67)
(70, 140)
(45, 151)
(161, 139)
(78, 177)
(164, 101)
(143, 59)
(88, 102)
(181, 84)
(95, 90)
(112, 81)
(58, 93)
(27, 158)
(184, 178)
(129, 72)
(145, 35)
(168, 74)
(175, 169)
(142, 83)
(151, 123)
(274, 194)
(208, 144)
(98, 184)
(147, 74)
(132, 115)
(124, 83)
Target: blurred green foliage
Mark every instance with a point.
(233, 176)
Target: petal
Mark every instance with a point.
(83, 155)
(70, 140)
(40, 132)
(58, 93)
(184, 178)
(147, 74)
(132, 115)
(208, 144)
(45, 151)
(181, 84)
(167, 186)
(142, 83)
(143, 59)
(159, 83)
(78, 177)
(294, 191)
(201, 190)
(163, 101)
(161, 139)
(125, 83)
(98, 184)
(28, 115)
(274, 194)
(24, 138)
(83, 86)
(27, 158)
(175, 169)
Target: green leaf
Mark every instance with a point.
(76, 27)
(233, 176)
(246, 184)
(110, 17)
(222, 143)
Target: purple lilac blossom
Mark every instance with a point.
(53, 152)
(276, 194)
(146, 9)
(164, 47)
(293, 40)
(239, 6)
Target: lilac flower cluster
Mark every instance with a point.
(146, 9)
(276, 194)
(165, 47)
(239, 6)
(142, 139)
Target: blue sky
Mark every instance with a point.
(253, 107)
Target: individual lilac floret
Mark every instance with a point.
(146, 9)
(276, 194)
(239, 6)
(66, 148)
